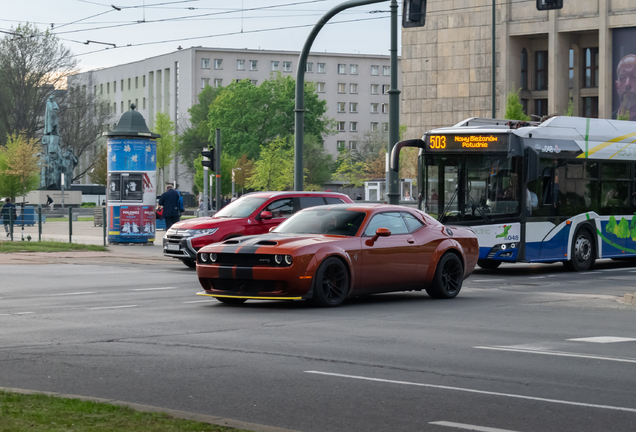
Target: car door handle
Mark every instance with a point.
(411, 241)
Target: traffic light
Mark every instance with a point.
(549, 4)
(210, 159)
(413, 13)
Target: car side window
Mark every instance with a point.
(332, 200)
(392, 220)
(306, 202)
(412, 222)
(282, 208)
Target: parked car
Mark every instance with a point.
(329, 253)
(253, 213)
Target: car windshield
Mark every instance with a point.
(242, 207)
(322, 221)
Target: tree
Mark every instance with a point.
(250, 116)
(243, 169)
(9, 184)
(99, 172)
(350, 171)
(166, 145)
(376, 167)
(82, 117)
(274, 170)
(570, 111)
(197, 134)
(318, 164)
(21, 156)
(32, 66)
(514, 109)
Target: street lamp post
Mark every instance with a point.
(393, 177)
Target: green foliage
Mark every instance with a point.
(166, 145)
(624, 116)
(88, 204)
(514, 109)
(569, 112)
(10, 185)
(197, 135)
(19, 166)
(198, 175)
(250, 116)
(318, 164)
(99, 173)
(350, 171)
(227, 163)
(274, 171)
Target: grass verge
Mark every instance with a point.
(45, 246)
(42, 413)
(65, 219)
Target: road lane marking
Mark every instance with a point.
(469, 427)
(559, 354)
(486, 280)
(113, 307)
(201, 301)
(537, 277)
(614, 269)
(75, 293)
(484, 392)
(17, 313)
(603, 339)
(153, 289)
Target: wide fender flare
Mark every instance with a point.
(443, 247)
(323, 253)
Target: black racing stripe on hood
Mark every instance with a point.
(251, 245)
(244, 273)
(225, 272)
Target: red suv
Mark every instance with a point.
(253, 213)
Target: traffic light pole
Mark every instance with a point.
(300, 84)
(393, 177)
(205, 187)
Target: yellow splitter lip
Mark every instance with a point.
(248, 297)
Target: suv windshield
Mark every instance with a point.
(333, 222)
(242, 207)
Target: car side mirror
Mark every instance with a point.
(264, 215)
(380, 232)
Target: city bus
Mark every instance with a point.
(563, 190)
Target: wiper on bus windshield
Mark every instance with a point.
(477, 206)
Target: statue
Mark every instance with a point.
(69, 162)
(50, 117)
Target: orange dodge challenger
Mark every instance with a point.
(328, 253)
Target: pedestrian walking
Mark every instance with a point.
(169, 201)
(233, 198)
(49, 202)
(8, 215)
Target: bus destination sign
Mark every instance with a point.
(438, 143)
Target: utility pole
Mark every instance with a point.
(393, 177)
(493, 64)
(217, 169)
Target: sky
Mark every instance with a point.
(140, 29)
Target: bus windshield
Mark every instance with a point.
(471, 187)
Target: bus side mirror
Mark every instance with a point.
(533, 165)
(395, 153)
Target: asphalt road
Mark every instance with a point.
(512, 352)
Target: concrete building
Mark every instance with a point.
(553, 57)
(355, 87)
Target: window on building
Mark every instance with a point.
(591, 67)
(107, 88)
(143, 81)
(524, 105)
(114, 86)
(114, 107)
(129, 83)
(121, 85)
(287, 66)
(95, 89)
(136, 82)
(218, 82)
(254, 65)
(128, 106)
(240, 65)
(373, 126)
(353, 88)
(385, 89)
(353, 107)
(320, 87)
(137, 103)
(238, 80)
(386, 70)
(385, 127)
(144, 102)
(375, 89)
(340, 145)
(321, 68)
(590, 107)
(385, 108)
(341, 106)
(205, 82)
(375, 70)
(342, 69)
(541, 70)
(122, 106)
(571, 69)
(218, 63)
(101, 89)
(353, 126)
(205, 63)
(353, 145)
(353, 69)
(274, 66)
(254, 82)
(541, 107)
(309, 67)
(524, 69)
(374, 108)
(340, 126)
(342, 88)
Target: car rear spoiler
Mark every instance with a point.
(395, 153)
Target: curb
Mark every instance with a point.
(203, 418)
(630, 298)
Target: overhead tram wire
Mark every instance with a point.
(223, 35)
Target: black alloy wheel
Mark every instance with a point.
(582, 253)
(488, 264)
(231, 300)
(331, 283)
(189, 263)
(448, 279)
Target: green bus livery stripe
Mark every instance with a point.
(608, 241)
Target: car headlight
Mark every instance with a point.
(205, 231)
(205, 257)
(288, 259)
(278, 259)
(171, 231)
(213, 257)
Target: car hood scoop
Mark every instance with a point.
(231, 242)
(267, 243)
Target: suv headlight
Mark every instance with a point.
(206, 231)
(171, 231)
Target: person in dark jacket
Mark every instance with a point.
(169, 200)
(8, 215)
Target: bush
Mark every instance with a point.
(88, 204)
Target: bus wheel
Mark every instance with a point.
(582, 253)
(488, 264)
